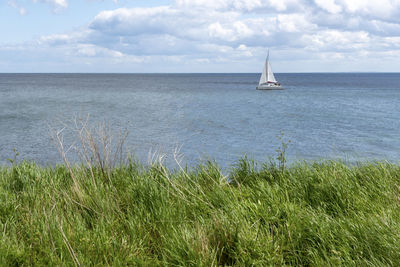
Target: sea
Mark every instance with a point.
(195, 118)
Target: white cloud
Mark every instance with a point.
(186, 26)
(56, 5)
(386, 10)
(13, 3)
(221, 31)
(334, 40)
(135, 21)
(90, 50)
(295, 23)
(329, 5)
(217, 31)
(241, 5)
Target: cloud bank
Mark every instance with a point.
(215, 34)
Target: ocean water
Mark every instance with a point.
(351, 116)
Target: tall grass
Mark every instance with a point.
(311, 214)
(101, 213)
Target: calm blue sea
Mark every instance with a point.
(353, 116)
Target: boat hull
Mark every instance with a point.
(269, 87)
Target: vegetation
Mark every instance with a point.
(112, 212)
(325, 213)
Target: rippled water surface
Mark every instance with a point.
(211, 116)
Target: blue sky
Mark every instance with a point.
(199, 35)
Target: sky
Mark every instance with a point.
(148, 36)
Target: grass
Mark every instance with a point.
(101, 213)
(326, 213)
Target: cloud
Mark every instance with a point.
(329, 6)
(334, 40)
(182, 25)
(13, 3)
(56, 5)
(215, 32)
(265, 6)
(134, 21)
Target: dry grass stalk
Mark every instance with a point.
(95, 146)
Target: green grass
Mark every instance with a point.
(321, 214)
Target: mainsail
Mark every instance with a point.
(267, 74)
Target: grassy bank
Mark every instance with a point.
(306, 214)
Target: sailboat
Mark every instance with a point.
(267, 79)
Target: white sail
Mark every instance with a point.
(270, 76)
(263, 78)
(267, 74)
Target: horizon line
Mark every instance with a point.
(308, 72)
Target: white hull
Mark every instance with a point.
(269, 87)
